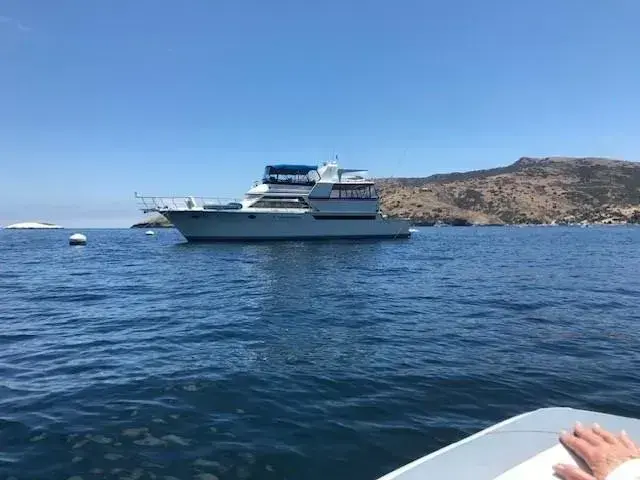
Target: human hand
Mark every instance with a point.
(602, 451)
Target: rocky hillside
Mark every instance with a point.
(532, 190)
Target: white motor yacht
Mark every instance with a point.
(291, 202)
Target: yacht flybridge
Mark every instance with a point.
(291, 202)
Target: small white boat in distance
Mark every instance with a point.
(291, 202)
(33, 226)
(521, 448)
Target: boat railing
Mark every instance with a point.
(185, 202)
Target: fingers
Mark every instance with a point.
(588, 435)
(602, 433)
(571, 472)
(580, 446)
(626, 441)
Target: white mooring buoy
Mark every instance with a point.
(149, 232)
(77, 239)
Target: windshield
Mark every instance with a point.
(290, 174)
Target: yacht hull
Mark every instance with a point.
(210, 226)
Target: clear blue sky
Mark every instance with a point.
(99, 99)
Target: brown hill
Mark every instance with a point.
(531, 190)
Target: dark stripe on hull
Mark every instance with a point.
(323, 199)
(344, 217)
(296, 239)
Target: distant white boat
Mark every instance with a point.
(33, 226)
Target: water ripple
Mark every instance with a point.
(141, 358)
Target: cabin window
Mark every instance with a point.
(350, 191)
(276, 202)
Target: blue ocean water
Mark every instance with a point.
(148, 358)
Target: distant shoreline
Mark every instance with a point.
(154, 222)
(531, 224)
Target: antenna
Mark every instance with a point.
(404, 155)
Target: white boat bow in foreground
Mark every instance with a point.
(521, 448)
